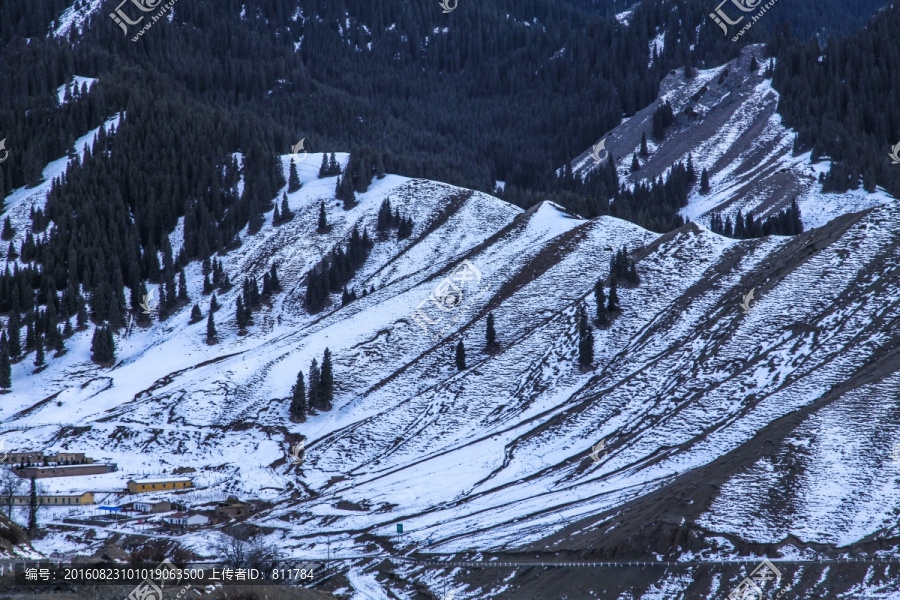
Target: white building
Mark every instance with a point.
(186, 520)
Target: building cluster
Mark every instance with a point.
(37, 465)
(181, 518)
(157, 510)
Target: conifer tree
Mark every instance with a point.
(196, 315)
(81, 316)
(240, 315)
(600, 299)
(58, 342)
(635, 163)
(326, 382)
(298, 407)
(273, 275)
(323, 170)
(39, 352)
(211, 333)
(795, 219)
(644, 151)
(460, 356)
(293, 180)
(704, 182)
(585, 339)
(754, 66)
(213, 304)
(8, 230)
(613, 304)
(385, 216)
(5, 364)
(14, 328)
(286, 214)
(103, 347)
(182, 287)
(491, 332)
(314, 387)
(323, 221)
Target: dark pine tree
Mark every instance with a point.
(600, 299)
(293, 180)
(491, 332)
(298, 407)
(14, 328)
(8, 230)
(704, 182)
(5, 364)
(314, 386)
(241, 315)
(644, 151)
(585, 339)
(460, 356)
(211, 333)
(182, 288)
(103, 346)
(613, 304)
(273, 279)
(196, 315)
(39, 352)
(635, 163)
(326, 382)
(323, 221)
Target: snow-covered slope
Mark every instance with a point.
(496, 457)
(725, 431)
(725, 120)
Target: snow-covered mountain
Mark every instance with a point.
(726, 120)
(762, 430)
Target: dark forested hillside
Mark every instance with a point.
(841, 99)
